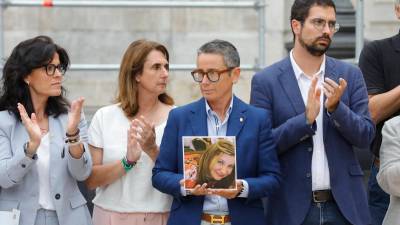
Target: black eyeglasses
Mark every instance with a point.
(212, 75)
(51, 69)
(320, 24)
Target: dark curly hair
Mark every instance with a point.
(26, 56)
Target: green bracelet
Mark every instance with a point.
(126, 166)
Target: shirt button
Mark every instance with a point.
(57, 196)
(309, 149)
(308, 175)
(23, 165)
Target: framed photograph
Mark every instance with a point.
(211, 160)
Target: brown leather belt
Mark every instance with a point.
(377, 162)
(216, 219)
(322, 196)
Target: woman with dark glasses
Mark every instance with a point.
(43, 138)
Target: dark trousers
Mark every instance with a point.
(325, 213)
(378, 200)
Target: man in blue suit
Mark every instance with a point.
(219, 113)
(319, 109)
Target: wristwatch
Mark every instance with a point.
(34, 156)
(241, 189)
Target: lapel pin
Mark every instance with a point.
(241, 119)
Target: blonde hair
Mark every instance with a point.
(132, 66)
(213, 150)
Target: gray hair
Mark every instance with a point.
(224, 48)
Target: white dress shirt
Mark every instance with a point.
(319, 163)
(43, 168)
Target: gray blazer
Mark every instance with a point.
(19, 185)
(389, 173)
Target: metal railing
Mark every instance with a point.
(359, 29)
(258, 5)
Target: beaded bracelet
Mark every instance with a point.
(130, 162)
(126, 165)
(72, 135)
(72, 141)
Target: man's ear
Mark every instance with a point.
(296, 26)
(235, 73)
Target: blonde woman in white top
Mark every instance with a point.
(124, 139)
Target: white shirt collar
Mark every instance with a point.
(228, 112)
(297, 70)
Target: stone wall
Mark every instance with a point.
(100, 36)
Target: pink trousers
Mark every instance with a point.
(106, 217)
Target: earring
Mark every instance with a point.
(27, 82)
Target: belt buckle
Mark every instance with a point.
(217, 219)
(314, 195)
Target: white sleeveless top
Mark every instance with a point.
(133, 192)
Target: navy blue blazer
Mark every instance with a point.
(276, 89)
(257, 161)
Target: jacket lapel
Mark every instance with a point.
(290, 86)
(198, 118)
(237, 117)
(330, 72)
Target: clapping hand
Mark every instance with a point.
(146, 136)
(133, 151)
(333, 93)
(313, 101)
(74, 116)
(32, 127)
